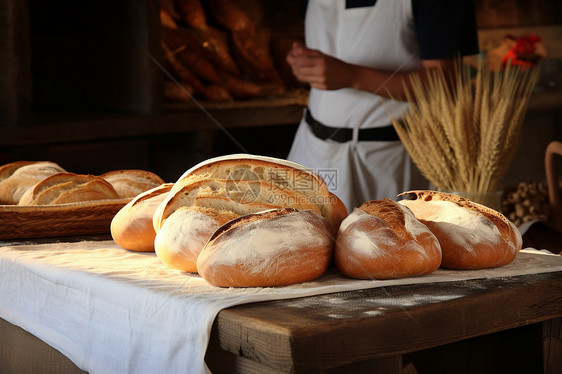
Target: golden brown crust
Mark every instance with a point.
(23, 175)
(389, 211)
(149, 194)
(383, 240)
(232, 224)
(131, 182)
(63, 188)
(234, 186)
(472, 237)
(274, 248)
(131, 228)
(287, 181)
(9, 169)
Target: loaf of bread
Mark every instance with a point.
(19, 176)
(64, 188)
(130, 183)
(131, 228)
(273, 248)
(228, 187)
(382, 240)
(250, 179)
(471, 235)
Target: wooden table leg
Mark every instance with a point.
(552, 346)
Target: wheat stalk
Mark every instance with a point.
(463, 133)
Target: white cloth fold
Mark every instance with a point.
(114, 311)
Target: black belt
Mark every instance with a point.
(342, 135)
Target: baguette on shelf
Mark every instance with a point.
(220, 52)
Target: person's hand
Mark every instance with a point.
(318, 69)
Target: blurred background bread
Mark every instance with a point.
(18, 177)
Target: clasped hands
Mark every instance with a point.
(318, 69)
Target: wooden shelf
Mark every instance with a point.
(65, 127)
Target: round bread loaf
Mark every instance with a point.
(130, 183)
(131, 228)
(17, 177)
(64, 188)
(382, 240)
(273, 248)
(472, 236)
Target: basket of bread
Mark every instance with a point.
(41, 199)
(252, 221)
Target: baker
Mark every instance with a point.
(358, 54)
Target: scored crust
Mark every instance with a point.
(283, 184)
(23, 175)
(130, 183)
(8, 169)
(62, 188)
(267, 249)
(234, 186)
(389, 211)
(472, 236)
(382, 240)
(250, 197)
(251, 218)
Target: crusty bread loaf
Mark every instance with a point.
(382, 240)
(272, 248)
(233, 186)
(282, 184)
(18, 177)
(471, 235)
(130, 183)
(240, 198)
(195, 211)
(8, 169)
(131, 228)
(64, 188)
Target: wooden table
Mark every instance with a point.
(500, 325)
(510, 325)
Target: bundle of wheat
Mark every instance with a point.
(463, 131)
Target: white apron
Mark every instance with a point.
(379, 36)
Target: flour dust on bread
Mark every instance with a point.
(65, 188)
(131, 182)
(278, 247)
(131, 228)
(383, 240)
(224, 188)
(472, 236)
(292, 182)
(17, 177)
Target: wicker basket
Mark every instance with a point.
(48, 221)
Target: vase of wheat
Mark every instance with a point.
(462, 132)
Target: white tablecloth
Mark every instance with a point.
(114, 311)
